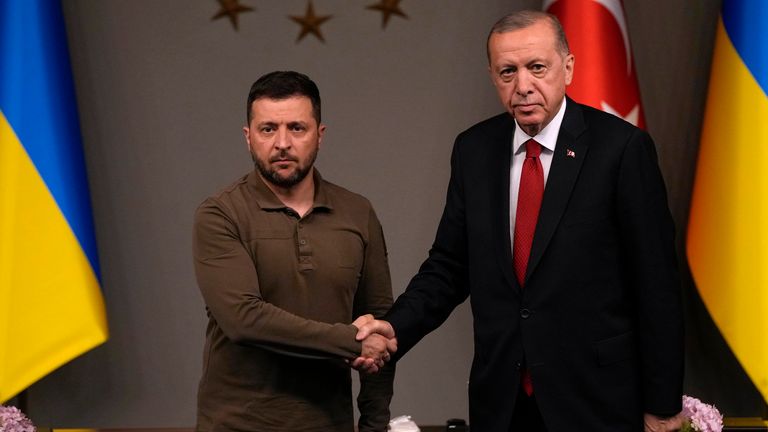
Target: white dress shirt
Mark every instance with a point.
(547, 137)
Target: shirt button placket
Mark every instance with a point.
(305, 251)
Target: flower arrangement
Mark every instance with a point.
(13, 420)
(700, 417)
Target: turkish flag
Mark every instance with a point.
(604, 72)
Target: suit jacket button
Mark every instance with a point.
(525, 313)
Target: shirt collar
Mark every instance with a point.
(547, 137)
(267, 200)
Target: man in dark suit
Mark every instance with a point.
(556, 224)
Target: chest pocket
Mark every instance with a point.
(346, 250)
(270, 246)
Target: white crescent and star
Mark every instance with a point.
(632, 117)
(617, 11)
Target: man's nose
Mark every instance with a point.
(282, 139)
(524, 83)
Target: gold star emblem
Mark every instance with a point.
(310, 23)
(230, 8)
(387, 9)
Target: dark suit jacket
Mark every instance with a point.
(599, 322)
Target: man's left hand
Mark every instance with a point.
(660, 424)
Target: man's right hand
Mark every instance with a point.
(371, 326)
(378, 343)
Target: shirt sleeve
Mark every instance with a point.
(374, 296)
(374, 398)
(229, 284)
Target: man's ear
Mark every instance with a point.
(246, 132)
(490, 75)
(320, 133)
(570, 61)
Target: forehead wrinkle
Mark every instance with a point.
(528, 38)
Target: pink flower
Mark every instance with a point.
(13, 420)
(702, 417)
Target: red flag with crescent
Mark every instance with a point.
(604, 73)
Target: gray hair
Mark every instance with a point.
(526, 18)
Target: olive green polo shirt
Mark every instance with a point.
(280, 292)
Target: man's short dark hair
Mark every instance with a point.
(282, 85)
(526, 18)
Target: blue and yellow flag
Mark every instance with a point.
(728, 227)
(51, 309)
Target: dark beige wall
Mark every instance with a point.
(162, 93)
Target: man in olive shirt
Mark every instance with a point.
(285, 260)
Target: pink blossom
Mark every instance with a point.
(13, 420)
(703, 417)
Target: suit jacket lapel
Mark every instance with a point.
(502, 143)
(567, 160)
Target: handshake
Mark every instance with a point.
(378, 344)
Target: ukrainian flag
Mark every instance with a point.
(727, 241)
(51, 309)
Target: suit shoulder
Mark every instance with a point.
(490, 125)
(609, 123)
(486, 133)
(608, 134)
(227, 194)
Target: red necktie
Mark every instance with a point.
(528, 204)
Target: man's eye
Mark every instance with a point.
(507, 71)
(538, 68)
(267, 129)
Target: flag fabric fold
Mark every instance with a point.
(51, 307)
(604, 77)
(727, 241)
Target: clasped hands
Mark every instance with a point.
(378, 344)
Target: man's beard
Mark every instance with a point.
(272, 176)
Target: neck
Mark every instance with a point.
(298, 197)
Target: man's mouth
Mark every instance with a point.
(282, 160)
(525, 107)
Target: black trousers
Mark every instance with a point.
(526, 417)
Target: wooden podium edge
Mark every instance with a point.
(745, 424)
